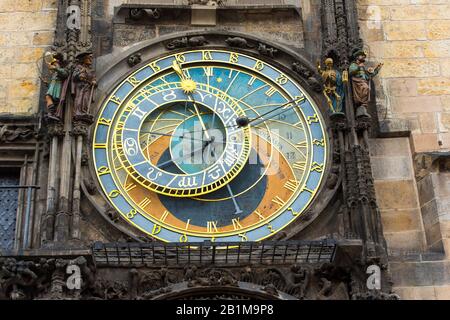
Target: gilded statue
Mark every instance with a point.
(333, 89)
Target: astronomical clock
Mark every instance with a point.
(209, 145)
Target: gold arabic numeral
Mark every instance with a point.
(120, 125)
(299, 99)
(99, 145)
(299, 165)
(271, 229)
(291, 185)
(211, 226)
(156, 229)
(308, 190)
(260, 216)
(270, 92)
(103, 170)
(236, 224)
(294, 213)
(259, 65)
(129, 187)
(114, 194)
(133, 81)
(320, 143)
(144, 203)
(234, 57)
(131, 214)
(183, 238)
(208, 71)
(281, 79)
(213, 239)
(180, 58)
(164, 216)
(105, 122)
(155, 67)
(277, 200)
(115, 99)
(188, 222)
(206, 55)
(129, 107)
(313, 119)
(243, 237)
(318, 167)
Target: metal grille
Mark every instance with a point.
(135, 254)
(8, 210)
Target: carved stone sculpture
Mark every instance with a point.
(267, 51)
(238, 42)
(83, 85)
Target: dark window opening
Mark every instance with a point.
(9, 196)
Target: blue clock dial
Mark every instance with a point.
(210, 145)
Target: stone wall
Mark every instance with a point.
(412, 38)
(27, 28)
(397, 194)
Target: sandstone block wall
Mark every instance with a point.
(412, 38)
(27, 29)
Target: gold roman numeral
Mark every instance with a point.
(291, 185)
(208, 71)
(144, 203)
(302, 144)
(164, 216)
(236, 224)
(300, 165)
(270, 92)
(212, 226)
(129, 187)
(260, 216)
(277, 200)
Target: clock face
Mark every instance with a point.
(209, 145)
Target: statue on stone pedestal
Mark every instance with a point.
(333, 85)
(83, 85)
(58, 85)
(361, 79)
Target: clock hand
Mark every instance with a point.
(179, 71)
(230, 191)
(165, 164)
(171, 135)
(244, 121)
